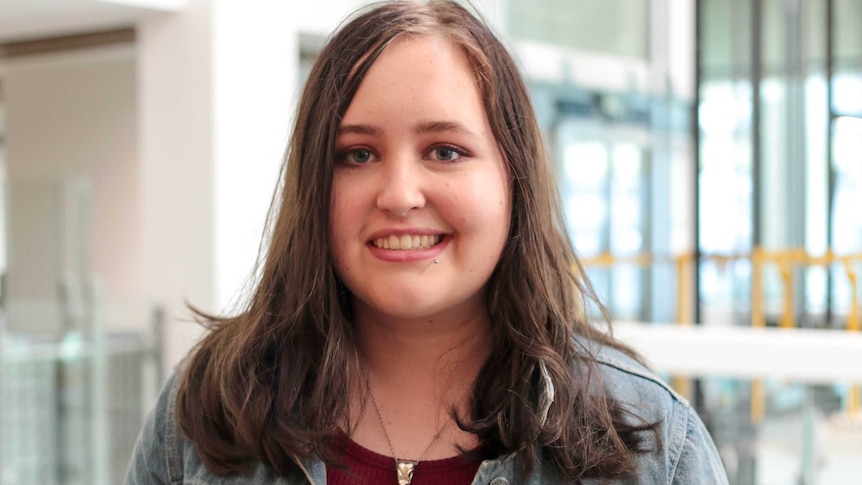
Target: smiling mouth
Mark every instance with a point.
(407, 242)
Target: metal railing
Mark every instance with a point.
(786, 261)
(72, 407)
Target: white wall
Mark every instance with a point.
(72, 127)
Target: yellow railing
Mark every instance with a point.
(683, 263)
(684, 290)
(785, 260)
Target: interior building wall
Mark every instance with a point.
(72, 165)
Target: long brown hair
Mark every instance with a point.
(270, 383)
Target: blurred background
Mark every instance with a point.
(708, 153)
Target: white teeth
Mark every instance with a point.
(407, 242)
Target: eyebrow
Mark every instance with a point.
(442, 126)
(422, 127)
(360, 130)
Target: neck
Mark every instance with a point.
(418, 369)
(427, 354)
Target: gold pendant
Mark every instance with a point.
(405, 468)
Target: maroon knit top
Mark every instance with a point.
(361, 465)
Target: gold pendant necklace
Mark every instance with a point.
(404, 469)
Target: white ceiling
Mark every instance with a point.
(34, 19)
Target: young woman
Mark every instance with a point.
(420, 317)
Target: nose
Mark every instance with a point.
(401, 186)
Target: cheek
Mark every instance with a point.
(339, 227)
(338, 250)
(493, 202)
(504, 219)
(501, 206)
(339, 211)
(485, 215)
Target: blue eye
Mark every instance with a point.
(446, 153)
(358, 156)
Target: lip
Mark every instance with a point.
(410, 255)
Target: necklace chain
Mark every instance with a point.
(404, 468)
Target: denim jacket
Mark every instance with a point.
(687, 455)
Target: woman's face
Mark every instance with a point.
(419, 179)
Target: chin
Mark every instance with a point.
(401, 307)
(403, 311)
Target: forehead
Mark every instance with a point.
(419, 73)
